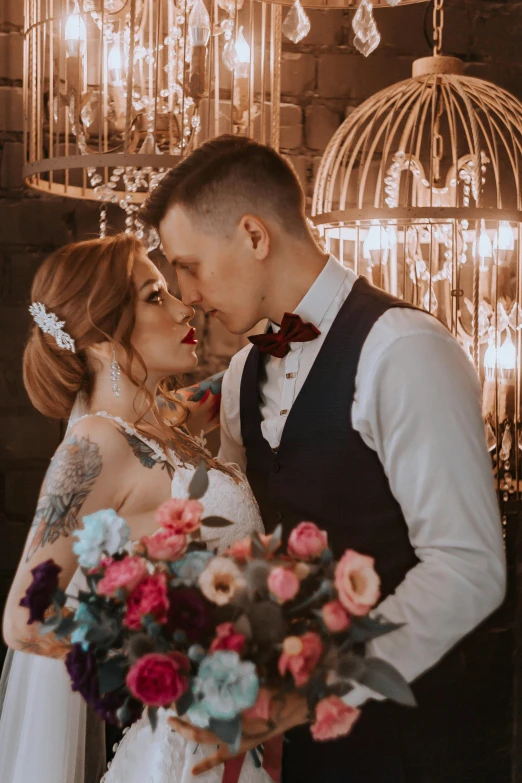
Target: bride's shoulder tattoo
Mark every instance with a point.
(145, 453)
(71, 476)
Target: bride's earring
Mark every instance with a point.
(115, 374)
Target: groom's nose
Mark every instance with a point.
(189, 294)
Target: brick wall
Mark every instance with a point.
(322, 77)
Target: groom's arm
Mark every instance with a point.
(420, 410)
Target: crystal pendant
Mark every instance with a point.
(87, 114)
(297, 24)
(367, 37)
(507, 442)
(230, 54)
(149, 146)
(491, 440)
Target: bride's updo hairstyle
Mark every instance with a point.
(88, 285)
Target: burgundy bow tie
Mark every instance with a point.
(293, 330)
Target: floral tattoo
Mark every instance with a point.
(69, 480)
(201, 392)
(145, 454)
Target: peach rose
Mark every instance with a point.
(261, 708)
(283, 584)
(357, 582)
(164, 544)
(333, 718)
(180, 516)
(122, 574)
(306, 541)
(335, 617)
(240, 550)
(149, 597)
(220, 580)
(300, 656)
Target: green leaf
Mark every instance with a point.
(51, 624)
(275, 540)
(111, 675)
(199, 484)
(66, 627)
(216, 522)
(184, 703)
(228, 731)
(363, 629)
(152, 713)
(59, 599)
(380, 676)
(351, 667)
(258, 549)
(124, 714)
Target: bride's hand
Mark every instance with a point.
(292, 712)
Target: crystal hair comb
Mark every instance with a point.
(49, 323)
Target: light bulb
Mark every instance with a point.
(504, 238)
(507, 354)
(485, 248)
(75, 33)
(242, 48)
(199, 24)
(115, 65)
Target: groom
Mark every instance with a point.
(362, 414)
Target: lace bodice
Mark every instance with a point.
(163, 756)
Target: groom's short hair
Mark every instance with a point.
(226, 178)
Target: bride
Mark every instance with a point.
(107, 335)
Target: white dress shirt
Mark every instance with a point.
(417, 404)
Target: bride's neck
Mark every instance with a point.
(131, 404)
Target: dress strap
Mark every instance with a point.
(159, 453)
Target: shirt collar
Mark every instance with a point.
(315, 304)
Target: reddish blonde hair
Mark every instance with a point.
(88, 285)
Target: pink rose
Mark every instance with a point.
(157, 679)
(227, 638)
(240, 550)
(306, 541)
(165, 544)
(283, 584)
(149, 597)
(261, 708)
(357, 582)
(300, 656)
(333, 718)
(335, 617)
(122, 574)
(180, 516)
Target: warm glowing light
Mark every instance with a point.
(75, 33)
(115, 65)
(242, 48)
(199, 24)
(504, 238)
(378, 238)
(485, 248)
(507, 354)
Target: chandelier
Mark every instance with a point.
(116, 92)
(420, 191)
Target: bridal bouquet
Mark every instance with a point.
(166, 623)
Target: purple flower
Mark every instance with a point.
(40, 592)
(81, 666)
(188, 612)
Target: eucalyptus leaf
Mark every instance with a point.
(380, 676)
(258, 549)
(228, 731)
(275, 539)
(59, 599)
(152, 713)
(216, 522)
(111, 675)
(51, 624)
(184, 703)
(66, 627)
(363, 629)
(199, 483)
(124, 714)
(350, 667)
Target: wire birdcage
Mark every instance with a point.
(420, 191)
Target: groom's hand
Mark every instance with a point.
(292, 712)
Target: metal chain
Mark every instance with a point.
(438, 24)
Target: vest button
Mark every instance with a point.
(276, 466)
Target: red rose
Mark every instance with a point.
(149, 597)
(158, 679)
(227, 638)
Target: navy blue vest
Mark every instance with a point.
(323, 471)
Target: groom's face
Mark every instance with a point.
(219, 270)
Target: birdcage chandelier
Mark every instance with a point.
(419, 190)
(107, 112)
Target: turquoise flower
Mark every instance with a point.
(191, 566)
(103, 532)
(224, 686)
(87, 621)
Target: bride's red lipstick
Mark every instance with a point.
(190, 338)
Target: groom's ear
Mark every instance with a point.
(258, 235)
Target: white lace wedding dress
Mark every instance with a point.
(43, 723)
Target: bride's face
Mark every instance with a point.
(162, 334)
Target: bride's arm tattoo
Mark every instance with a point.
(69, 480)
(36, 643)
